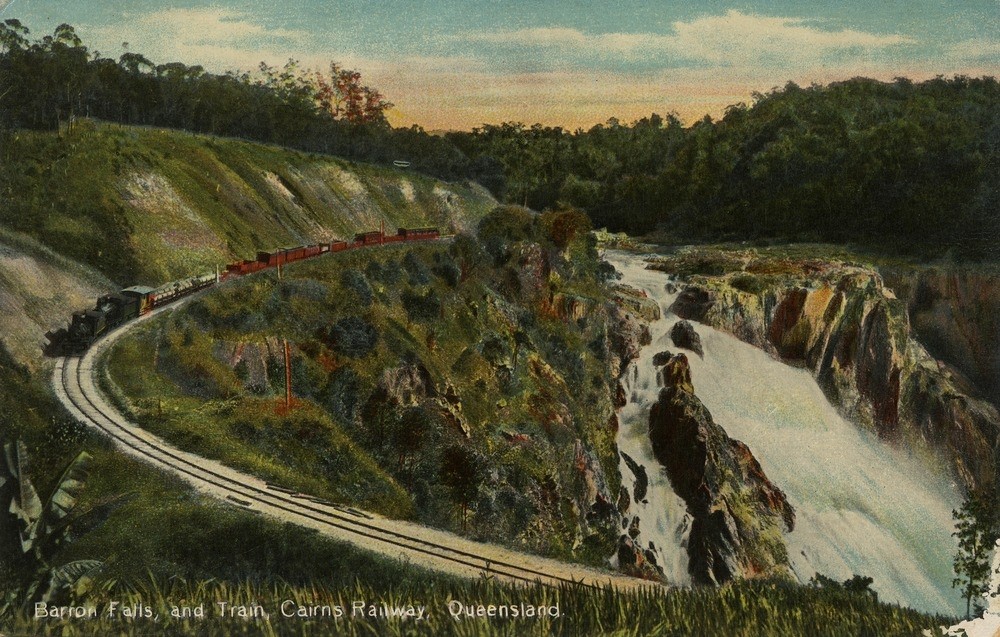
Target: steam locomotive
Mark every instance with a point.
(112, 310)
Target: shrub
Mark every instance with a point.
(353, 336)
(422, 308)
(342, 396)
(355, 282)
(416, 270)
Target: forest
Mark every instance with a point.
(905, 166)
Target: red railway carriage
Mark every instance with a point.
(114, 309)
(414, 234)
(368, 238)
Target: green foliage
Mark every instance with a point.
(416, 270)
(504, 226)
(746, 609)
(977, 530)
(903, 166)
(342, 394)
(355, 282)
(353, 336)
(461, 473)
(856, 584)
(422, 308)
(468, 255)
(56, 79)
(34, 529)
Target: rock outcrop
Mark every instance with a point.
(854, 335)
(627, 336)
(662, 358)
(568, 307)
(738, 514)
(637, 302)
(955, 313)
(635, 561)
(684, 336)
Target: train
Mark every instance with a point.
(111, 310)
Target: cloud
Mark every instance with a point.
(557, 75)
(732, 38)
(218, 26)
(736, 36)
(975, 51)
(218, 39)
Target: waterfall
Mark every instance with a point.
(862, 506)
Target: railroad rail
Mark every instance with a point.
(76, 387)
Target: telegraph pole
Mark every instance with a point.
(288, 377)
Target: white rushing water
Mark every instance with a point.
(861, 506)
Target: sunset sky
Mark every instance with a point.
(455, 64)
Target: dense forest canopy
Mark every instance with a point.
(908, 166)
(55, 79)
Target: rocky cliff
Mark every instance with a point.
(955, 312)
(738, 514)
(843, 323)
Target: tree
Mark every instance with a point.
(33, 529)
(460, 472)
(976, 530)
(353, 336)
(343, 96)
(421, 308)
(409, 435)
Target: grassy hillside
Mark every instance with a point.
(147, 205)
(38, 289)
(428, 383)
(99, 206)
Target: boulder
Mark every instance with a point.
(633, 560)
(661, 358)
(641, 479)
(693, 303)
(684, 336)
(627, 336)
(637, 302)
(738, 514)
(623, 504)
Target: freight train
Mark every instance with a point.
(112, 310)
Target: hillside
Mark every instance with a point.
(129, 205)
(430, 381)
(146, 205)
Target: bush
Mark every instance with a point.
(422, 308)
(355, 282)
(342, 397)
(388, 272)
(353, 336)
(416, 270)
(503, 227)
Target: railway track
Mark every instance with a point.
(75, 386)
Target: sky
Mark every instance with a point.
(457, 64)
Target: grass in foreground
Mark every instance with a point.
(759, 608)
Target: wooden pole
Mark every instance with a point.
(288, 377)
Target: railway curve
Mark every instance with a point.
(75, 385)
